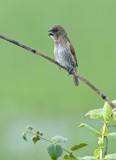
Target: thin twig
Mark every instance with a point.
(106, 146)
(101, 94)
(47, 140)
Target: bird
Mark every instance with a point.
(63, 50)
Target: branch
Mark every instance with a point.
(101, 94)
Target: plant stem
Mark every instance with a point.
(47, 140)
(66, 151)
(39, 136)
(102, 139)
(106, 146)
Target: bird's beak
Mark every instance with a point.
(51, 33)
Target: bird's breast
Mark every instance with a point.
(59, 53)
(63, 56)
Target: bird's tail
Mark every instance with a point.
(75, 79)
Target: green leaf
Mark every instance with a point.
(55, 151)
(114, 102)
(114, 111)
(35, 139)
(95, 113)
(78, 146)
(92, 130)
(39, 133)
(59, 139)
(107, 112)
(110, 156)
(97, 153)
(112, 135)
(29, 128)
(86, 158)
(72, 157)
(69, 157)
(66, 157)
(24, 135)
(114, 116)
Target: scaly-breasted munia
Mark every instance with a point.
(64, 51)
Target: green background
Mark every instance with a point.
(34, 91)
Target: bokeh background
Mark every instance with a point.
(34, 91)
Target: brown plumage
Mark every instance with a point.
(63, 50)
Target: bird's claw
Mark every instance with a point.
(70, 69)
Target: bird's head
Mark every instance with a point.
(57, 32)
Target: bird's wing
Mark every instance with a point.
(73, 52)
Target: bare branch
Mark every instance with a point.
(101, 94)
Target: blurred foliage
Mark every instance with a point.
(55, 149)
(34, 91)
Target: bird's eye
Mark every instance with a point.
(55, 30)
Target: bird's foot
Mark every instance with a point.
(70, 69)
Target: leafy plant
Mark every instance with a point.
(55, 148)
